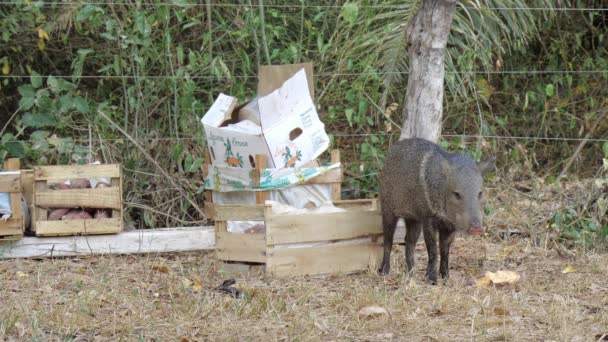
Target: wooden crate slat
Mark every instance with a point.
(77, 171)
(358, 204)
(331, 176)
(324, 259)
(10, 182)
(16, 208)
(11, 227)
(108, 198)
(117, 184)
(282, 229)
(241, 247)
(76, 227)
(27, 186)
(235, 212)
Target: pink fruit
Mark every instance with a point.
(80, 183)
(76, 214)
(56, 214)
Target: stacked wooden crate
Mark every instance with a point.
(13, 183)
(103, 198)
(302, 244)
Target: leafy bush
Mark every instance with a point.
(152, 69)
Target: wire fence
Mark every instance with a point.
(381, 73)
(337, 135)
(296, 6)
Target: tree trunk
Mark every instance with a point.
(427, 37)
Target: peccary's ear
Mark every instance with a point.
(446, 167)
(486, 166)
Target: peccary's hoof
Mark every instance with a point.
(384, 270)
(432, 280)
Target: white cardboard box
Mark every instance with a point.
(289, 133)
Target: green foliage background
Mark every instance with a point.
(517, 68)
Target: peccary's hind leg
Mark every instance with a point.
(412, 233)
(445, 241)
(389, 223)
(431, 248)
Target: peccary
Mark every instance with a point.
(434, 191)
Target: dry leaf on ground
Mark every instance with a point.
(161, 268)
(498, 278)
(372, 311)
(498, 311)
(569, 269)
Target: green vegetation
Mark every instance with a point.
(153, 67)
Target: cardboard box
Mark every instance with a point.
(283, 125)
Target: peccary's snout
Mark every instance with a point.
(475, 227)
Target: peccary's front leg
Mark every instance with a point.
(446, 238)
(412, 233)
(389, 223)
(430, 231)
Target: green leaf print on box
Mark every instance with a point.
(290, 161)
(231, 159)
(216, 179)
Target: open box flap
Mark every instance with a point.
(288, 102)
(221, 111)
(271, 77)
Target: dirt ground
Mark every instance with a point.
(172, 297)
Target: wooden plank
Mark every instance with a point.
(287, 262)
(336, 188)
(10, 182)
(38, 213)
(79, 227)
(235, 212)
(260, 164)
(205, 166)
(117, 184)
(13, 227)
(331, 176)
(357, 204)
(27, 186)
(77, 171)
(163, 240)
(16, 209)
(109, 198)
(281, 229)
(241, 247)
(12, 164)
(209, 210)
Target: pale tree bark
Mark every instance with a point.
(427, 37)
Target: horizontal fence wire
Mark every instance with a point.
(506, 72)
(339, 135)
(298, 6)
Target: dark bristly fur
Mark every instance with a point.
(435, 192)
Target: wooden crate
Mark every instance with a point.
(14, 227)
(102, 198)
(305, 244)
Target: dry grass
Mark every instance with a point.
(132, 298)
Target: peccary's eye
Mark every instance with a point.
(456, 194)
